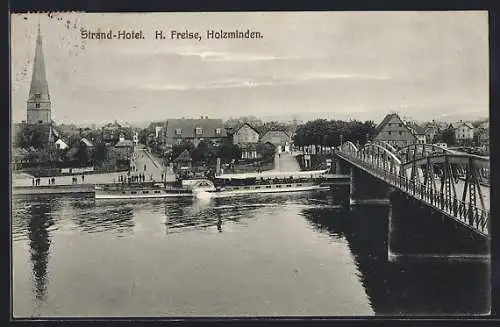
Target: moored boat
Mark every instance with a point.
(272, 182)
(140, 191)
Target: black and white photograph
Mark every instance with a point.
(250, 164)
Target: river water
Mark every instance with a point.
(271, 255)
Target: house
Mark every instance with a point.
(483, 135)
(246, 137)
(158, 131)
(61, 145)
(135, 139)
(245, 134)
(183, 163)
(194, 130)
(431, 132)
(87, 143)
(418, 131)
(394, 131)
(124, 149)
(464, 132)
(280, 139)
(249, 151)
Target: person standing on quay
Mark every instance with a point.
(33, 181)
(83, 178)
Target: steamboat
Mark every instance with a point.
(142, 190)
(219, 186)
(264, 182)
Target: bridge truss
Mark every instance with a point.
(449, 181)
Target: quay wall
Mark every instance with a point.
(53, 189)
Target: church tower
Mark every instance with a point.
(38, 104)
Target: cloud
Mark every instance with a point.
(334, 76)
(265, 81)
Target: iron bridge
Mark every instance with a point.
(454, 183)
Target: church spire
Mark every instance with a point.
(39, 99)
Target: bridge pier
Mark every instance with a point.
(340, 167)
(366, 189)
(417, 230)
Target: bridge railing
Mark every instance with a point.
(466, 213)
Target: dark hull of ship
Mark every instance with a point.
(142, 193)
(228, 191)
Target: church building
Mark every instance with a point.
(38, 104)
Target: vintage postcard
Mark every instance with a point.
(277, 164)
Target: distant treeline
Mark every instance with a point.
(333, 132)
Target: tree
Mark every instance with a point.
(448, 136)
(203, 152)
(328, 133)
(229, 151)
(266, 150)
(177, 149)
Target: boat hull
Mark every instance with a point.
(141, 194)
(263, 189)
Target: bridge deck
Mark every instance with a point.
(472, 217)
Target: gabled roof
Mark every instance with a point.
(183, 157)
(241, 125)
(458, 124)
(419, 130)
(86, 142)
(188, 127)
(384, 121)
(388, 118)
(276, 133)
(61, 141)
(124, 144)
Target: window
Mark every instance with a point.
(178, 131)
(299, 184)
(199, 130)
(400, 125)
(400, 133)
(145, 192)
(37, 105)
(40, 121)
(218, 131)
(268, 186)
(157, 192)
(389, 132)
(133, 192)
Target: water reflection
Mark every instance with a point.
(413, 287)
(94, 217)
(40, 220)
(219, 223)
(186, 214)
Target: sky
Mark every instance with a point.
(334, 65)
